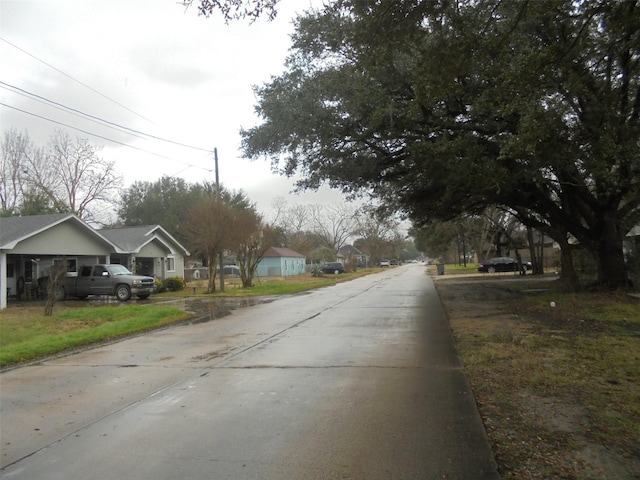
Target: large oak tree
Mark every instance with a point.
(443, 108)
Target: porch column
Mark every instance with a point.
(3, 281)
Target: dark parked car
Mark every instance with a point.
(332, 267)
(503, 264)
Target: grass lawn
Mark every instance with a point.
(265, 286)
(26, 334)
(555, 375)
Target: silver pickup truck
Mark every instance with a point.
(105, 280)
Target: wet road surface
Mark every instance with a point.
(355, 381)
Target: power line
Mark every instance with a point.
(81, 130)
(94, 118)
(100, 136)
(77, 81)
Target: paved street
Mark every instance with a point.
(355, 381)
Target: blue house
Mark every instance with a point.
(281, 262)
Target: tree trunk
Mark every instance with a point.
(532, 250)
(568, 275)
(212, 268)
(56, 274)
(612, 270)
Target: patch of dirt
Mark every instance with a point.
(533, 434)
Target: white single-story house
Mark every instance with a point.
(349, 254)
(147, 250)
(281, 262)
(31, 245)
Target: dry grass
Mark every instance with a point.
(557, 387)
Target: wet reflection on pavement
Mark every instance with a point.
(212, 308)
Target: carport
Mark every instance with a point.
(31, 245)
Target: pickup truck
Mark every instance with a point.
(105, 280)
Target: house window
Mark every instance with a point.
(171, 264)
(71, 266)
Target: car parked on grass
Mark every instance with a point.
(384, 263)
(332, 267)
(503, 264)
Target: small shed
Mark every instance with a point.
(281, 262)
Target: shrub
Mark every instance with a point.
(160, 287)
(173, 284)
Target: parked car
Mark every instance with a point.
(332, 267)
(503, 264)
(231, 270)
(384, 263)
(103, 279)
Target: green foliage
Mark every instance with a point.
(159, 285)
(236, 9)
(30, 335)
(445, 108)
(166, 202)
(173, 284)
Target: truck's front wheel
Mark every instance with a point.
(123, 292)
(59, 293)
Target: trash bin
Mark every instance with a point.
(440, 268)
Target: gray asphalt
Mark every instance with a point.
(356, 381)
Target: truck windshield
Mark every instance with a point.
(119, 270)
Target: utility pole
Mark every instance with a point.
(221, 253)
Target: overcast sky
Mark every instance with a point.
(151, 66)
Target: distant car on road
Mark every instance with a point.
(332, 267)
(384, 263)
(503, 264)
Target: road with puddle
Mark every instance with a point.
(355, 381)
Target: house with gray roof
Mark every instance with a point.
(281, 262)
(350, 255)
(31, 245)
(148, 250)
